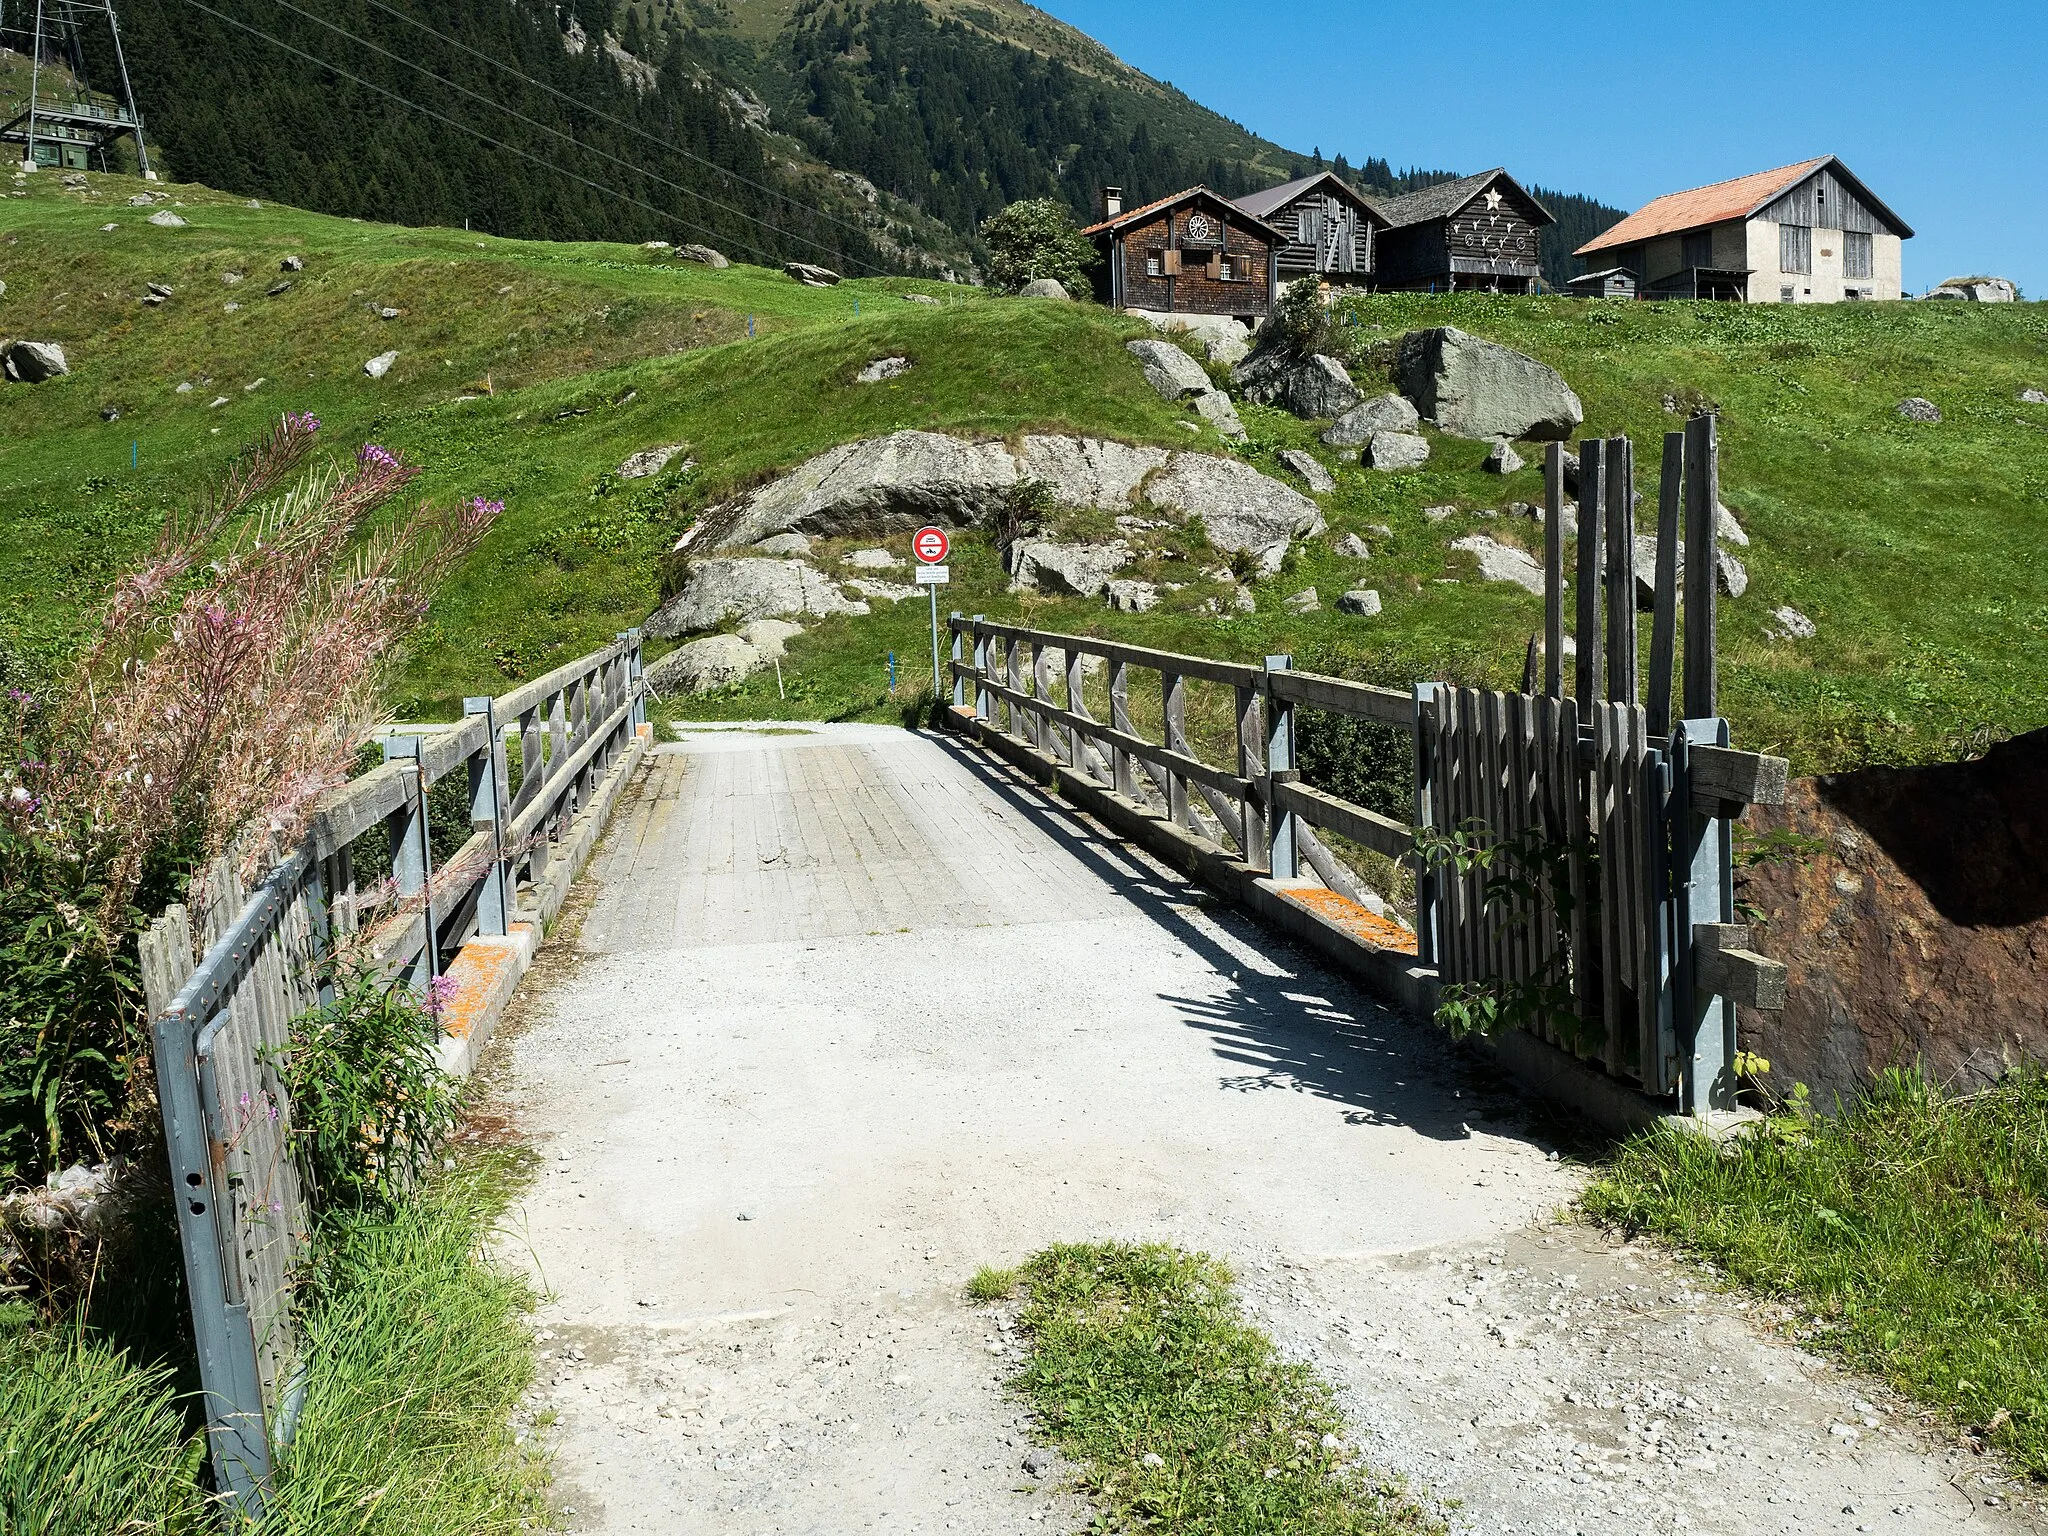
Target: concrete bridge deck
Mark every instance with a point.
(856, 1011)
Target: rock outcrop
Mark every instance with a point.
(883, 369)
(810, 276)
(719, 661)
(1979, 290)
(1306, 465)
(1917, 408)
(1315, 387)
(1088, 471)
(704, 255)
(719, 591)
(1396, 450)
(650, 461)
(1127, 596)
(1222, 339)
(1216, 409)
(1479, 389)
(1045, 288)
(1361, 602)
(876, 487)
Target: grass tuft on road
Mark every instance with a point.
(1908, 1233)
(1185, 1417)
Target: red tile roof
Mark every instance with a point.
(1717, 204)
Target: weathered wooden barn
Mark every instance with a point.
(1611, 283)
(1809, 233)
(1328, 228)
(1477, 233)
(1194, 253)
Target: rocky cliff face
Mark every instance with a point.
(1921, 934)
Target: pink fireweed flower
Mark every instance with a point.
(479, 508)
(440, 993)
(302, 421)
(370, 456)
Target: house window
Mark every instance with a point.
(1699, 249)
(1795, 248)
(1155, 263)
(1856, 255)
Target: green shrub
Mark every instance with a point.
(1362, 761)
(370, 1103)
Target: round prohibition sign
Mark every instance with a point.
(930, 545)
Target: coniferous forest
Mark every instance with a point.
(599, 119)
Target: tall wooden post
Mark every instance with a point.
(1620, 510)
(981, 709)
(488, 806)
(1553, 571)
(1702, 504)
(1592, 498)
(1664, 620)
(412, 853)
(1122, 777)
(1173, 705)
(1251, 762)
(959, 682)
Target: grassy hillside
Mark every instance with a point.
(1915, 548)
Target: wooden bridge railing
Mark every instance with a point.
(1627, 812)
(221, 1019)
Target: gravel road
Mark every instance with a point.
(856, 1011)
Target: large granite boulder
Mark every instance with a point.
(1382, 413)
(719, 591)
(1222, 339)
(877, 487)
(1306, 465)
(1315, 388)
(1169, 370)
(1479, 389)
(31, 362)
(1397, 450)
(704, 255)
(1216, 409)
(1044, 288)
(1240, 508)
(1075, 570)
(1088, 471)
(1979, 290)
(810, 276)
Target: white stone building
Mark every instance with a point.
(1809, 233)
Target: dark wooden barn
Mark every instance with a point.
(1477, 233)
(1329, 230)
(1613, 283)
(1195, 253)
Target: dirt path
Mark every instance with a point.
(860, 1012)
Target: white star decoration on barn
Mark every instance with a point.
(1493, 201)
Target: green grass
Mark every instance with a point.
(1910, 545)
(1907, 1235)
(1183, 1416)
(416, 1356)
(91, 1444)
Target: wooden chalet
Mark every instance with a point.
(1328, 229)
(1194, 253)
(1809, 233)
(1475, 234)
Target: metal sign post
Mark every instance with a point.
(930, 545)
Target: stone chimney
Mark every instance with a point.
(1112, 202)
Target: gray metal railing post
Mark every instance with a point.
(981, 707)
(412, 853)
(959, 683)
(487, 804)
(1284, 858)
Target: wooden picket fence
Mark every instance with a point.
(1622, 912)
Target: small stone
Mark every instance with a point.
(231, 278)
(810, 276)
(1352, 547)
(1304, 601)
(1502, 459)
(1304, 464)
(1153, 1459)
(292, 264)
(649, 461)
(785, 544)
(110, 413)
(108, 229)
(1037, 1461)
(2033, 397)
(163, 218)
(33, 362)
(882, 369)
(254, 384)
(387, 313)
(872, 560)
(184, 388)
(1917, 408)
(1790, 624)
(380, 365)
(1383, 413)
(161, 290)
(230, 307)
(1440, 514)
(919, 298)
(1362, 601)
(746, 1215)
(216, 400)
(1170, 371)
(1502, 562)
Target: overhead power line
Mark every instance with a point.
(617, 122)
(571, 139)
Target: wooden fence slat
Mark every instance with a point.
(1620, 512)
(1702, 501)
(1592, 499)
(1664, 618)
(1553, 570)
(1251, 767)
(1173, 704)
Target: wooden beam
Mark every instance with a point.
(1380, 833)
(1722, 775)
(1724, 966)
(1702, 498)
(1389, 706)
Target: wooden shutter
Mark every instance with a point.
(1173, 263)
(1216, 268)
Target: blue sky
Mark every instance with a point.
(1942, 112)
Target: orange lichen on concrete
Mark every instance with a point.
(1380, 932)
(478, 971)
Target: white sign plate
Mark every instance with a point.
(932, 576)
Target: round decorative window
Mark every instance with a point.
(1200, 226)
